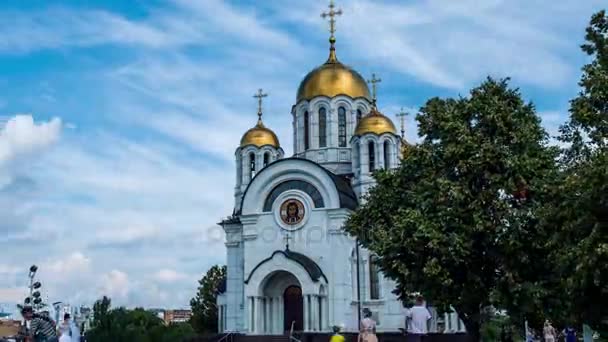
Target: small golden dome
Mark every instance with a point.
(375, 122)
(331, 79)
(259, 136)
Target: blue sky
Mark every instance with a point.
(119, 119)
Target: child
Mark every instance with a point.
(336, 336)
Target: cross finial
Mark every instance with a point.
(287, 238)
(332, 14)
(401, 115)
(374, 81)
(260, 95)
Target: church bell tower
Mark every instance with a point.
(259, 147)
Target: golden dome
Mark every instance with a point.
(259, 136)
(331, 79)
(375, 122)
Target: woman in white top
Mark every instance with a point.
(65, 329)
(368, 328)
(549, 332)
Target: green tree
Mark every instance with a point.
(138, 325)
(204, 308)
(457, 220)
(580, 210)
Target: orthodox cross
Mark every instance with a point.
(401, 115)
(374, 81)
(332, 21)
(287, 238)
(260, 95)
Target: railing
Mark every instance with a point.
(225, 337)
(291, 338)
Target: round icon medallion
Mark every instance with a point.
(292, 212)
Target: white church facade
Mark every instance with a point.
(290, 264)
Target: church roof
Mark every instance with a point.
(347, 196)
(311, 267)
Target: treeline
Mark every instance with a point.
(137, 325)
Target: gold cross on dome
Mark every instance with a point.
(401, 115)
(332, 14)
(260, 95)
(374, 81)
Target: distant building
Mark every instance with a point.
(160, 313)
(177, 316)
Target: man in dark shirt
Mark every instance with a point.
(42, 328)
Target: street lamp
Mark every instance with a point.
(34, 297)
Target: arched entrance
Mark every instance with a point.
(293, 308)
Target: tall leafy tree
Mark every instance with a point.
(457, 221)
(581, 207)
(137, 325)
(204, 308)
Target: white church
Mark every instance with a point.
(289, 262)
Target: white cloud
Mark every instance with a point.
(129, 234)
(452, 44)
(75, 263)
(62, 27)
(169, 276)
(115, 284)
(12, 295)
(21, 136)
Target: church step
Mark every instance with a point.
(324, 337)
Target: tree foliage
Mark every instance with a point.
(458, 220)
(138, 325)
(204, 308)
(580, 209)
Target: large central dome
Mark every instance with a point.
(331, 79)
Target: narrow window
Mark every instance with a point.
(266, 159)
(341, 127)
(359, 115)
(251, 165)
(372, 156)
(320, 313)
(374, 279)
(306, 132)
(387, 155)
(322, 127)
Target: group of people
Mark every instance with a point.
(41, 328)
(550, 334)
(418, 317)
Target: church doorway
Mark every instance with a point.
(293, 308)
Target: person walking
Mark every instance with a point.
(42, 328)
(65, 329)
(570, 334)
(419, 317)
(336, 337)
(368, 328)
(549, 332)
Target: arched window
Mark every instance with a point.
(372, 156)
(251, 165)
(341, 127)
(322, 127)
(374, 278)
(387, 154)
(359, 115)
(266, 159)
(306, 131)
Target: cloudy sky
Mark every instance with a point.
(119, 119)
